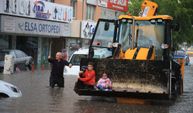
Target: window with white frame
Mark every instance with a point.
(74, 5)
(90, 11)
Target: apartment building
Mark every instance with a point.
(85, 16)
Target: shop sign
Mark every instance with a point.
(120, 5)
(87, 29)
(34, 27)
(37, 9)
(39, 27)
(102, 3)
(92, 2)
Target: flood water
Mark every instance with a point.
(39, 98)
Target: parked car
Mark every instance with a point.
(182, 54)
(9, 90)
(21, 59)
(83, 53)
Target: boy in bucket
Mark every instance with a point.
(86, 79)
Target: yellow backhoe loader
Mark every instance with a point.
(141, 65)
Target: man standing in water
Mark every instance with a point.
(58, 64)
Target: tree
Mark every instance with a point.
(181, 11)
(135, 7)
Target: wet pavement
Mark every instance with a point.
(39, 98)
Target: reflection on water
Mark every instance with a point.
(94, 106)
(39, 98)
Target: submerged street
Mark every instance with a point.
(139, 49)
(39, 98)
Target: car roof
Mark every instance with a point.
(81, 51)
(84, 51)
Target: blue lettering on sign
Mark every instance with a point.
(26, 26)
(39, 10)
(41, 28)
(33, 27)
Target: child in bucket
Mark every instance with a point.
(104, 83)
(86, 79)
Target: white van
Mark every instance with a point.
(83, 53)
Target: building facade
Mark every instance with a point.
(36, 27)
(43, 27)
(85, 16)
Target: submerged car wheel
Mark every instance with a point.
(2, 95)
(1, 69)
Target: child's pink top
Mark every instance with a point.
(104, 82)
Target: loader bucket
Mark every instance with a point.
(131, 78)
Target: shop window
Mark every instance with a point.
(90, 12)
(4, 42)
(45, 50)
(29, 45)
